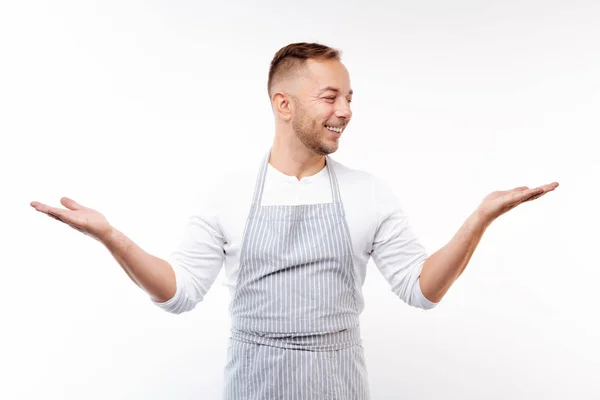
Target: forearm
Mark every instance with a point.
(443, 267)
(150, 273)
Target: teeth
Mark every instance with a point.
(331, 128)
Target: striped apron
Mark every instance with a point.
(295, 321)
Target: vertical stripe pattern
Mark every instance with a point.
(295, 319)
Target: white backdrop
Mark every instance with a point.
(132, 107)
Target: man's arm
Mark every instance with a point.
(152, 274)
(176, 284)
(444, 266)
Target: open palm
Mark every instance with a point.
(84, 219)
(499, 202)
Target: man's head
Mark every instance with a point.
(310, 93)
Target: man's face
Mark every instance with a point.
(322, 109)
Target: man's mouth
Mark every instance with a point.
(335, 129)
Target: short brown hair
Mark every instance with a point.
(291, 57)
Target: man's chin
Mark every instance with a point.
(328, 148)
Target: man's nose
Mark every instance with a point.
(343, 110)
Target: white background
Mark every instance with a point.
(130, 107)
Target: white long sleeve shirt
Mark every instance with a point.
(378, 228)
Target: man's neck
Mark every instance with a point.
(295, 159)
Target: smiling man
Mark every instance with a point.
(310, 99)
(295, 242)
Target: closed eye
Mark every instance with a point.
(333, 98)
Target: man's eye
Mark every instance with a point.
(330, 98)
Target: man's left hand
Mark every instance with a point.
(497, 203)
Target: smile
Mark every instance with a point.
(331, 128)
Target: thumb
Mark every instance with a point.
(71, 204)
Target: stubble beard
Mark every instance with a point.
(309, 133)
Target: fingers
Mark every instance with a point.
(44, 208)
(538, 192)
(549, 186)
(534, 196)
(56, 213)
(55, 216)
(70, 203)
(520, 194)
(39, 206)
(64, 216)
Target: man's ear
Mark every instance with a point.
(282, 105)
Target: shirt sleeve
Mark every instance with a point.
(196, 261)
(397, 251)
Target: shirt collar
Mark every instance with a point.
(272, 171)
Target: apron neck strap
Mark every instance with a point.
(260, 181)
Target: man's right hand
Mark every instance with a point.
(154, 275)
(86, 220)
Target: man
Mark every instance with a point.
(295, 243)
